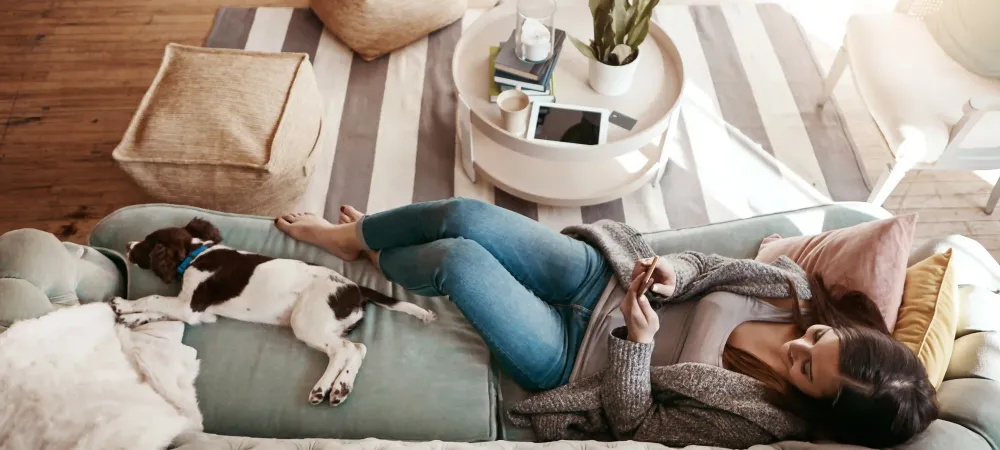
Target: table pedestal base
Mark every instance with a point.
(558, 183)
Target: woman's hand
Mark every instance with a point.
(640, 319)
(664, 278)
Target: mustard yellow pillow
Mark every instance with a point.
(928, 317)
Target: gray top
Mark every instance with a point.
(675, 405)
(693, 331)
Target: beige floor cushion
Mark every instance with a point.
(229, 130)
(373, 28)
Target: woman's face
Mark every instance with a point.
(812, 362)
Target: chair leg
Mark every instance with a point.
(836, 71)
(994, 196)
(888, 181)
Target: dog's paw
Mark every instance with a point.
(338, 395)
(119, 305)
(133, 320)
(428, 317)
(317, 395)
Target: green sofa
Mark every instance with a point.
(436, 382)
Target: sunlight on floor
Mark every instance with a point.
(824, 24)
(825, 20)
(989, 176)
(749, 158)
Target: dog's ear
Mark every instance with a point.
(164, 261)
(204, 230)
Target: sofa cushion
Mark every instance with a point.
(418, 382)
(373, 28)
(928, 316)
(978, 310)
(976, 356)
(231, 130)
(868, 257)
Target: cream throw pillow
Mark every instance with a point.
(969, 32)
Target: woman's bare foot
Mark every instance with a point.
(340, 240)
(349, 215)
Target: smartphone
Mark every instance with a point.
(649, 275)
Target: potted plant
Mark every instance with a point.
(619, 27)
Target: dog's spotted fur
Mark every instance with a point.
(231, 272)
(320, 305)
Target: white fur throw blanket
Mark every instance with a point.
(74, 379)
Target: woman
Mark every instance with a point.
(737, 363)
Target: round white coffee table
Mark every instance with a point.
(555, 174)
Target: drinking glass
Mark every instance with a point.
(534, 32)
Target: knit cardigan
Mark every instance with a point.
(680, 404)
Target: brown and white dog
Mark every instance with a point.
(320, 305)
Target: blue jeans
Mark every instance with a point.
(528, 290)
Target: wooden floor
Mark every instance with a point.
(73, 71)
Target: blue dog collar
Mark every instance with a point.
(190, 258)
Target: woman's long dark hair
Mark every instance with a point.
(885, 396)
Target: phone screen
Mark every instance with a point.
(568, 125)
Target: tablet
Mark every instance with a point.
(570, 124)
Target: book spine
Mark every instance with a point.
(522, 85)
(505, 88)
(533, 98)
(513, 71)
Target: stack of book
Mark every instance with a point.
(507, 71)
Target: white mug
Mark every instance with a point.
(515, 106)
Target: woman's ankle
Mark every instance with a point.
(358, 235)
(373, 256)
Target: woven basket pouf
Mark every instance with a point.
(229, 130)
(373, 28)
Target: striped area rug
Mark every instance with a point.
(750, 140)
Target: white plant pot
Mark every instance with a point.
(612, 80)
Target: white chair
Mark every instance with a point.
(933, 113)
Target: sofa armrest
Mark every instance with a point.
(973, 404)
(945, 435)
(977, 338)
(974, 263)
(39, 274)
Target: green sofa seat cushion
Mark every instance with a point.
(418, 381)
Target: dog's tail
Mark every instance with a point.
(377, 297)
(387, 302)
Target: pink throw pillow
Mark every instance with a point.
(870, 257)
